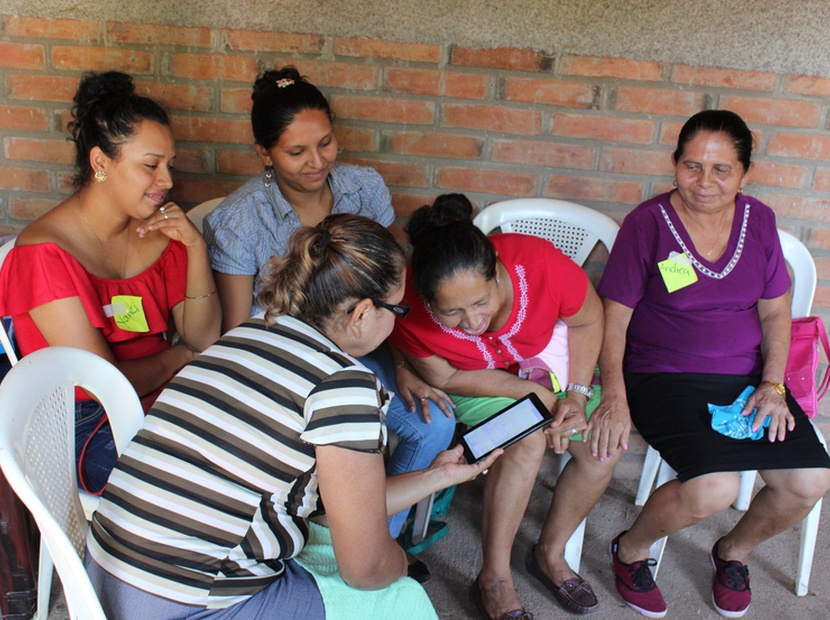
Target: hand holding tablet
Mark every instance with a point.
(505, 428)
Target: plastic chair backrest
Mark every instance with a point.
(37, 451)
(5, 339)
(804, 273)
(197, 214)
(573, 228)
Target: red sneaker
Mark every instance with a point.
(636, 585)
(730, 590)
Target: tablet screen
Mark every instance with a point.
(500, 428)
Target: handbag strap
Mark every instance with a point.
(825, 381)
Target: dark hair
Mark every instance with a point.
(106, 114)
(345, 258)
(279, 95)
(445, 242)
(718, 121)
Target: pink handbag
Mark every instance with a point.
(802, 363)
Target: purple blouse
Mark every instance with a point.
(711, 325)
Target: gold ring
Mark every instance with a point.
(423, 398)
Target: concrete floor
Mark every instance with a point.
(685, 576)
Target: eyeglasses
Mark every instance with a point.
(399, 310)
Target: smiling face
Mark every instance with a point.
(709, 173)
(139, 179)
(469, 302)
(304, 154)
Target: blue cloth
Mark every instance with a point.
(419, 442)
(727, 419)
(255, 222)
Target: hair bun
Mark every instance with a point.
(267, 81)
(447, 210)
(100, 88)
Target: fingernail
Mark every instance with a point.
(625, 446)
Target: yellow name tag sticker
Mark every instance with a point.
(677, 272)
(128, 312)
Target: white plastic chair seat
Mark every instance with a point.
(574, 229)
(37, 455)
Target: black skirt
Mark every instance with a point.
(670, 412)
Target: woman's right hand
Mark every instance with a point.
(610, 425)
(457, 470)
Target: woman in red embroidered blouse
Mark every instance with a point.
(482, 309)
(110, 268)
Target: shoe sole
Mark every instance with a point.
(647, 613)
(724, 612)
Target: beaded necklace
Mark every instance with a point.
(698, 265)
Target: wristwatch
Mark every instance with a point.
(586, 390)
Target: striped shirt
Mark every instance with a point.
(217, 487)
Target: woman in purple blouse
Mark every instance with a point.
(697, 310)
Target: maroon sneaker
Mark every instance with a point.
(636, 585)
(730, 590)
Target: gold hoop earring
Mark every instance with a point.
(101, 175)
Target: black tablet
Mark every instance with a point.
(505, 428)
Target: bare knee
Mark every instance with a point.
(804, 486)
(526, 454)
(706, 495)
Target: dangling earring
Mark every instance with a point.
(101, 175)
(740, 190)
(269, 175)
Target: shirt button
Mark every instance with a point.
(498, 351)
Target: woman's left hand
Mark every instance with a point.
(770, 403)
(172, 222)
(414, 389)
(568, 421)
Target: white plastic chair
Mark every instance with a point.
(574, 229)
(804, 288)
(37, 456)
(198, 213)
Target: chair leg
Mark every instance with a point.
(809, 533)
(44, 582)
(423, 510)
(650, 467)
(745, 490)
(665, 474)
(573, 548)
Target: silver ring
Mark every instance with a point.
(162, 210)
(423, 398)
(167, 217)
(574, 431)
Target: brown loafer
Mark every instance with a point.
(516, 614)
(575, 595)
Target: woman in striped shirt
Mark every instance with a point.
(274, 426)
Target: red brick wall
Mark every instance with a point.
(430, 118)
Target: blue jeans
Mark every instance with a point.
(419, 442)
(100, 454)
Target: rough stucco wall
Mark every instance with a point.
(769, 35)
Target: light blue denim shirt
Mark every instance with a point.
(255, 222)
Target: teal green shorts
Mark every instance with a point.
(471, 410)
